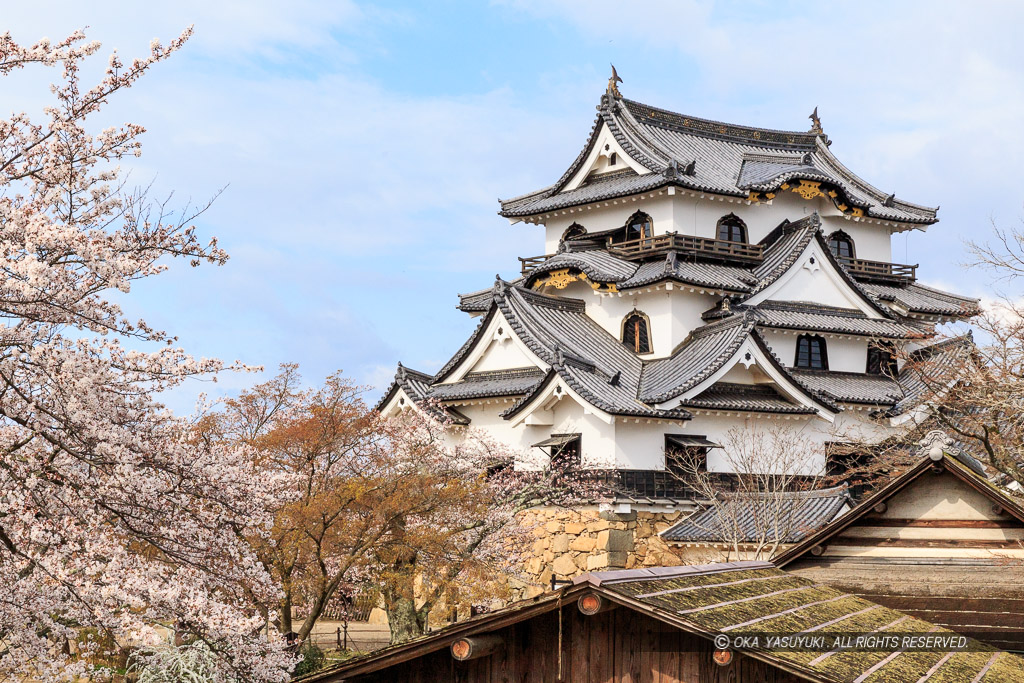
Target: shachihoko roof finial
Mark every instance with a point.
(613, 88)
(815, 122)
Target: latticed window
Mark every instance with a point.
(841, 245)
(811, 353)
(882, 360)
(636, 332)
(732, 229)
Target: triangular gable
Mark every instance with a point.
(600, 149)
(815, 276)
(545, 397)
(494, 345)
(754, 353)
(901, 483)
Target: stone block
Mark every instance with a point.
(615, 540)
(581, 561)
(617, 517)
(574, 528)
(606, 560)
(564, 565)
(535, 566)
(560, 543)
(540, 545)
(540, 532)
(553, 527)
(599, 525)
(583, 544)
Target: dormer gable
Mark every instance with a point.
(606, 155)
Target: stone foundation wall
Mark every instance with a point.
(572, 542)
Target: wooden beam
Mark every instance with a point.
(472, 647)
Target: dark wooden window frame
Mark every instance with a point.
(882, 360)
(731, 227)
(639, 218)
(806, 359)
(838, 238)
(634, 343)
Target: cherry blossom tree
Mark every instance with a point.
(114, 519)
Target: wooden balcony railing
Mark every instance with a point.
(880, 270)
(689, 245)
(530, 262)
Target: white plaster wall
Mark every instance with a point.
(870, 241)
(502, 354)
(696, 214)
(845, 354)
(673, 314)
(596, 436)
(613, 214)
(630, 443)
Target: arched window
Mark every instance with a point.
(841, 245)
(811, 353)
(636, 332)
(732, 229)
(882, 360)
(574, 231)
(638, 227)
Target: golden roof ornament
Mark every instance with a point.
(613, 88)
(815, 122)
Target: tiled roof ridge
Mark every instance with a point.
(551, 301)
(484, 375)
(454, 361)
(828, 492)
(807, 307)
(742, 321)
(403, 371)
(809, 226)
(965, 340)
(769, 138)
(567, 259)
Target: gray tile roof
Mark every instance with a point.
(744, 397)
(728, 159)
(488, 384)
(918, 298)
(685, 270)
(480, 300)
(597, 264)
(417, 386)
(743, 517)
(937, 358)
(590, 360)
(705, 351)
(814, 318)
(852, 387)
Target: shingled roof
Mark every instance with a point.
(757, 517)
(733, 598)
(726, 159)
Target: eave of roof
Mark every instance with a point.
(925, 464)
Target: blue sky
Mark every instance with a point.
(363, 146)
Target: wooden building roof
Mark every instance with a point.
(680, 603)
(939, 541)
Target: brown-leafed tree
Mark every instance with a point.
(397, 506)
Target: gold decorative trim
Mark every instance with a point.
(809, 189)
